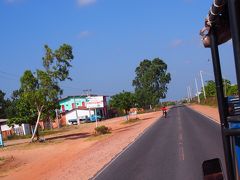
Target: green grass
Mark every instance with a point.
(53, 131)
(15, 137)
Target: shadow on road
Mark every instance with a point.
(125, 128)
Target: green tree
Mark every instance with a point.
(210, 88)
(40, 90)
(232, 90)
(123, 101)
(3, 104)
(151, 82)
(11, 110)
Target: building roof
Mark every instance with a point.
(79, 108)
(3, 120)
(81, 96)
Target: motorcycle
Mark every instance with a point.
(165, 114)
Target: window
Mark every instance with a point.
(83, 104)
(73, 106)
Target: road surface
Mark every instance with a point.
(172, 149)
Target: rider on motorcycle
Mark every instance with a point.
(164, 109)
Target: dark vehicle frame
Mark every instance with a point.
(73, 121)
(221, 25)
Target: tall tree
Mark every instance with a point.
(151, 82)
(11, 107)
(226, 86)
(40, 90)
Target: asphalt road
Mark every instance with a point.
(172, 149)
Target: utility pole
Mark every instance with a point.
(78, 122)
(188, 94)
(96, 117)
(197, 90)
(1, 136)
(225, 87)
(56, 111)
(204, 93)
(87, 93)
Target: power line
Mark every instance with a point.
(10, 76)
(7, 77)
(7, 73)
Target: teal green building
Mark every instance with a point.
(71, 103)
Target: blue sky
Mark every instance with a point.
(109, 39)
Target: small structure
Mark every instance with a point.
(6, 130)
(79, 114)
(2, 121)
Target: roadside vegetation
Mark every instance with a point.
(211, 95)
(100, 130)
(2, 159)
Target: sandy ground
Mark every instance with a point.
(72, 155)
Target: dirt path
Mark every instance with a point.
(77, 155)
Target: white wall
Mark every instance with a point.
(81, 115)
(24, 129)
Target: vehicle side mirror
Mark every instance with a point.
(212, 170)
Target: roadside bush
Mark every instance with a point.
(102, 130)
(210, 101)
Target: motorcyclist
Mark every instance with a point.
(164, 109)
